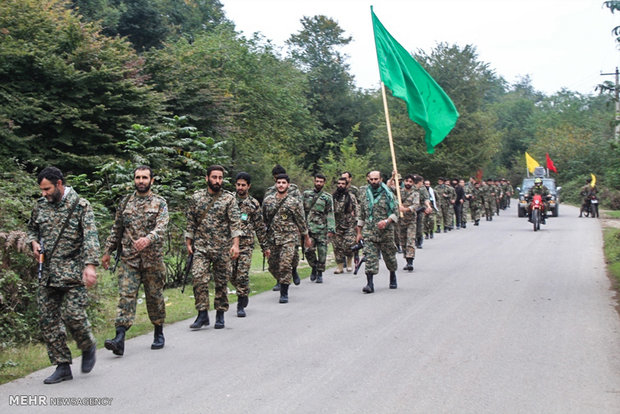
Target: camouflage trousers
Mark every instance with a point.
(240, 278)
(447, 214)
(153, 280)
(407, 238)
(465, 211)
(281, 262)
(397, 240)
(317, 254)
(475, 209)
(429, 222)
(342, 242)
(386, 247)
(208, 266)
(62, 309)
(489, 207)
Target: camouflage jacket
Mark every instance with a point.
(319, 209)
(355, 191)
(78, 246)
(449, 195)
(425, 196)
(139, 216)
(344, 215)
(411, 199)
(285, 224)
(542, 190)
(251, 222)
(220, 225)
(380, 211)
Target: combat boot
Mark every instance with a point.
(62, 373)
(370, 287)
(296, 278)
(117, 345)
(339, 269)
(464, 225)
(219, 319)
(276, 287)
(393, 284)
(158, 337)
(438, 229)
(477, 222)
(349, 264)
(319, 277)
(89, 357)
(313, 275)
(284, 293)
(201, 320)
(241, 306)
(409, 266)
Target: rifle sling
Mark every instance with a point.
(48, 257)
(275, 212)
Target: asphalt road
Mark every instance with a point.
(494, 319)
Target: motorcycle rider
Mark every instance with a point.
(587, 191)
(543, 191)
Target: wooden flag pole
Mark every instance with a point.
(389, 130)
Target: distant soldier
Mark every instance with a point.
(345, 213)
(319, 209)
(425, 201)
(294, 192)
(410, 202)
(459, 190)
(488, 195)
(352, 189)
(441, 201)
(139, 232)
(212, 236)
(449, 196)
(284, 219)
(378, 211)
(586, 193)
(477, 203)
(429, 219)
(251, 223)
(464, 204)
(63, 225)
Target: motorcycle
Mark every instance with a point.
(537, 210)
(591, 208)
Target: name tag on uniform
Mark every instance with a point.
(244, 216)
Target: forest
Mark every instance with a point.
(97, 87)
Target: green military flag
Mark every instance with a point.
(428, 105)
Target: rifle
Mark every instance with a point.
(263, 262)
(188, 269)
(117, 257)
(359, 264)
(41, 258)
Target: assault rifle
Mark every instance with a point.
(41, 258)
(188, 269)
(117, 256)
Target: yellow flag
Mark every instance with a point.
(593, 182)
(530, 162)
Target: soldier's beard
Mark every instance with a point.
(215, 187)
(143, 188)
(242, 193)
(340, 191)
(408, 186)
(375, 186)
(55, 197)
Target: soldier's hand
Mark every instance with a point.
(142, 243)
(36, 247)
(267, 253)
(89, 276)
(234, 252)
(105, 261)
(308, 242)
(188, 244)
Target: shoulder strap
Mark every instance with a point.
(275, 212)
(208, 208)
(62, 230)
(316, 198)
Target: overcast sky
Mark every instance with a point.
(558, 43)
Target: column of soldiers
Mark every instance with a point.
(220, 233)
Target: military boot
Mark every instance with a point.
(117, 345)
(339, 269)
(313, 275)
(62, 373)
(241, 306)
(284, 293)
(349, 264)
(370, 287)
(477, 222)
(158, 337)
(409, 266)
(219, 319)
(201, 320)
(296, 278)
(393, 284)
(319, 277)
(89, 357)
(276, 287)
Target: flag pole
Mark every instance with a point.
(389, 130)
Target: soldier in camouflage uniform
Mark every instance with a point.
(319, 209)
(251, 223)
(449, 198)
(68, 270)
(488, 195)
(284, 218)
(352, 189)
(464, 203)
(477, 203)
(345, 213)
(410, 199)
(139, 230)
(429, 219)
(377, 213)
(439, 190)
(293, 191)
(212, 236)
(425, 200)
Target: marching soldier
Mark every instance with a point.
(352, 189)
(212, 236)
(410, 202)
(345, 213)
(319, 208)
(138, 232)
(62, 227)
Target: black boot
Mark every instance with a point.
(88, 359)
(393, 284)
(62, 373)
(219, 319)
(284, 293)
(409, 266)
(438, 229)
(432, 235)
(477, 222)
(296, 278)
(158, 337)
(319, 277)
(313, 275)
(370, 287)
(201, 320)
(418, 243)
(276, 287)
(241, 306)
(117, 345)
(464, 225)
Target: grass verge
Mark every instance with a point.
(611, 238)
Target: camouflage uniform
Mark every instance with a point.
(212, 237)
(377, 241)
(251, 222)
(476, 203)
(407, 223)
(447, 206)
(488, 195)
(467, 203)
(430, 219)
(345, 215)
(440, 201)
(424, 196)
(140, 216)
(294, 192)
(319, 208)
(62, 296)
(283, 232)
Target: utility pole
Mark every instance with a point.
(617, 98)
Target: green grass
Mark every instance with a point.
(613, 213)
(611, 238)
(19, 361)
